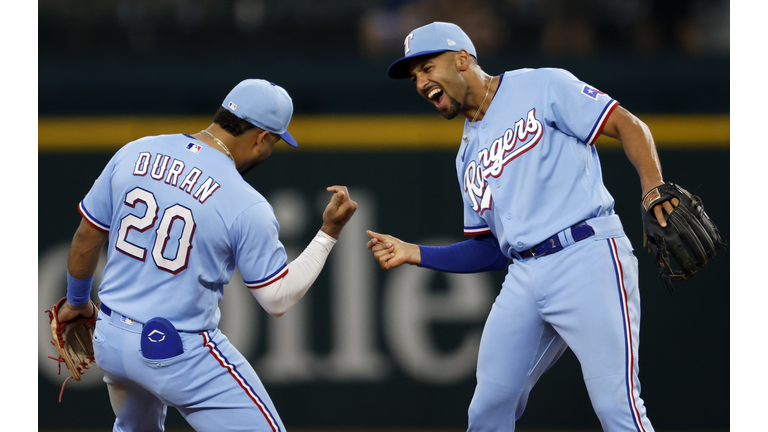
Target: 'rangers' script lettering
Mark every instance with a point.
(491, 161)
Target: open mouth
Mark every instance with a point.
(436, 95)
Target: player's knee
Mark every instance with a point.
(494, 407)
(612, 400)
(617, 414)
(606, 407)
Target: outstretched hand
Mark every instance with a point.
(392, 252)
(338, 211)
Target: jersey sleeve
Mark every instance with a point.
(473, 223)
(97, 207)
(575, 107)
(479, 254)
(259, 254)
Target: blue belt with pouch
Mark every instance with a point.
(159, 338)
(579, 232)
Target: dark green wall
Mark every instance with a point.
(328, 83)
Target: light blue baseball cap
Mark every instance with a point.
(431, 38)
(263, 104)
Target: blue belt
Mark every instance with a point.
(124, 319)
(551, 245)
(105, 309)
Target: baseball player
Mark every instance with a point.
(178, 217)
(533, 193)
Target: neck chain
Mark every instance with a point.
(466, 135)
(221, 144)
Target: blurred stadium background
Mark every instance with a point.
(368, 350)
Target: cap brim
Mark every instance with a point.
(401, 68)
(289, 139)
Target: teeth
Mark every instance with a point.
(432, 93)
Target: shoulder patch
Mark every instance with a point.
(591, 92)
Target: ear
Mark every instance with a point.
(261, 139)
(462, 60)
(256, 143)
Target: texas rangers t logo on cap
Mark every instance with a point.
(407, 43)
(430, 39)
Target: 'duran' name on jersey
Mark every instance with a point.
(513, 143)
(171, 173)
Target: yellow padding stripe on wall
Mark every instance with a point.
(352, 132)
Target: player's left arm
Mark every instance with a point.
(83, 258)
(638, 144)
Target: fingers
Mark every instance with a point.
(666, 206)
(381, 246)
(378, 239)
(384, 257)
(68, 312)
(659, 216)
(341, 200)
(340, 192)
(338, 211)
(374, 245)
(383, 254)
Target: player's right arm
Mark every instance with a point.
(640, 148)
(83, 258)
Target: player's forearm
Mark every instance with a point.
(479, 254)
(85, 251)
(283, 294)
(638, 144)
(641, 151)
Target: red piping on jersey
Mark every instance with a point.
(79, 210)
(602, 124)
(487, 231)
(271, 281)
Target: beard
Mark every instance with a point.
(453, 110)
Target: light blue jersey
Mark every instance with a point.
(529, 169)
(180, 219)
(529, 172)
